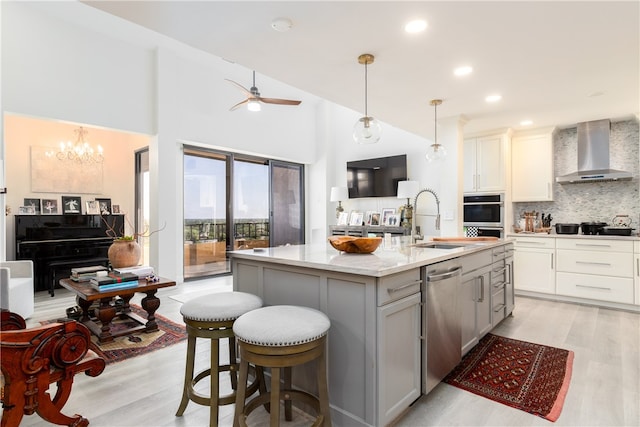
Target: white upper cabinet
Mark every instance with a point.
(484, 163)
(532, 166)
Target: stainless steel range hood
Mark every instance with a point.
(593, 155)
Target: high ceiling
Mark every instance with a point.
(553, 62)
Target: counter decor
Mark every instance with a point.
(355, 245)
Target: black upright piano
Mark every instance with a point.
(58, 243)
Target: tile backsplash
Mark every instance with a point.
(597, 201)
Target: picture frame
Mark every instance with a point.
(27, 210)
(343, 218)
(71, 205)
(385, 215)
(92, 207)
(115, 209)
(373, 218)
(355, 218)
(105, 206)
(50, 207)
(393, 220)
(35, 203)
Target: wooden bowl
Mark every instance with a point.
(355, 245)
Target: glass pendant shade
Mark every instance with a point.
(253, 105)
(436, 152)
(367, 130)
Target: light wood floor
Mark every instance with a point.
(604, 390)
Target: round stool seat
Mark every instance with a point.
(281, 326)
(220, 306)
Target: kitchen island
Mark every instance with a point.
(376, 362)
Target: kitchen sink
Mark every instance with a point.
(436, 245)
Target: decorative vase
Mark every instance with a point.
(124, 253)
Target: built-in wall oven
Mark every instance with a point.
(483, 215)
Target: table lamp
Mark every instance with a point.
(338, 194)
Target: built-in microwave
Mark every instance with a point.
(484, 214)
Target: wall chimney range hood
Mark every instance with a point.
(593, 155)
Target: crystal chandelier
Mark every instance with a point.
(80, 151)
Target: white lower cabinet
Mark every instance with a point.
(598, 270)
(475, 299)
(534, 268)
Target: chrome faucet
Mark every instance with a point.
(416, 235)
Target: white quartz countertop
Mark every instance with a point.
(394, 255)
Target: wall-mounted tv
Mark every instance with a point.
(376, 177)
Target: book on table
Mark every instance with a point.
(140, 270)
(114, 278)
(115, 286)
(84, 274)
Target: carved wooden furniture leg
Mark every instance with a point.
(105, 313)
(126, 308)
(150, 303)
(84, 305)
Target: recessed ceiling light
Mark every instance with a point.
(463, 71)
(415, 26)
(526, 123)
(493, 98)
(281, 24)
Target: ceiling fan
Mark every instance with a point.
(254, 99)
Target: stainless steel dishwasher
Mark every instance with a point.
(441, 322)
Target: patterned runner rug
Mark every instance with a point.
(139, 343)
(531, 377)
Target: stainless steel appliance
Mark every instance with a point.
(441, 322)
(483, 215)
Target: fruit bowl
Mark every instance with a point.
(355, 245)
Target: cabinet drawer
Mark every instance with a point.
(614, 289)
(394, 287)
(535, 242)
(475, 261)
(600, 245)
(591, 262)
(636, 246)
(498, 304)
(502, 252)
(499, 273)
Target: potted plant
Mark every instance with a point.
(125, 250)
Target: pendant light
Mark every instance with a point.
(436, 152)
(367, 129)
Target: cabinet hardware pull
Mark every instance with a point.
(501, 307)
(595, 245)
(403, 287)
(500, 270)
(552, 261)
(638, 266)
(534, 242)
(593, 263)
(481, 299)
(593, 287)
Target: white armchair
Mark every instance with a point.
(16, 287)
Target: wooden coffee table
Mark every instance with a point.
(107, 310)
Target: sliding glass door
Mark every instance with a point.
(234, 201)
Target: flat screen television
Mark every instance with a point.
(376, 177)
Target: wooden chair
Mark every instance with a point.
(32, 359)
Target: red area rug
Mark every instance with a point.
(531, 377)
(139, 343)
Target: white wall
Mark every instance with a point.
(70, 62)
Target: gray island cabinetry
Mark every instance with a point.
(376, 342)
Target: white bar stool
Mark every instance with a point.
(212, 316)
(279, 337)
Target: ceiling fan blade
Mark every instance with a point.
(242, 88)
(239, 104)
(279, 101)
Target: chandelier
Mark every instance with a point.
(367, 130)
(80, 151)
(437, 151)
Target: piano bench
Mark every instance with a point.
(68, 264)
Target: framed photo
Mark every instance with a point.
(385, 215)
(92, 207)
(105, 206)
(50, 207)
(115, 209)
(356, 218)
(27, 210)
(343, 218)
(373, 218)
(393, 220)
(35, 203)
(71, 205)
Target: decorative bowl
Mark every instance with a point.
(355, 245)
